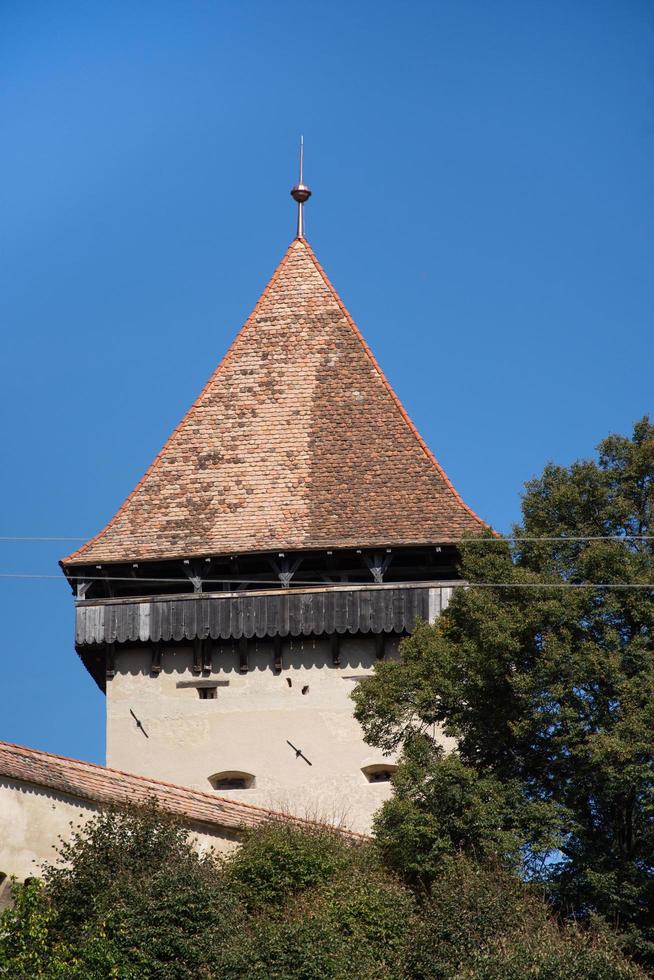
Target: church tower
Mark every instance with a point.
(290, 532)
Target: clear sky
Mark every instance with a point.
(483, 178)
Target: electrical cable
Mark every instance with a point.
(262, 585)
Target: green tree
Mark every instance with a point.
(482, 922)
(441, 807)
(133, 899)
(28, 947)
(278, 861)
(132, 895)
(359, 923)
(543, 671)
(319, 906)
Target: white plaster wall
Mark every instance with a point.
(33, 818)
(247, 726)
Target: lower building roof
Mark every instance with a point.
(101, 785)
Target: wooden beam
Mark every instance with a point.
(81, 588)
(377, 565)
(285, 569)
(155, 662)
(110, 659)
(193, 572)
(197, 656)
(277, 654)
(335, 644)
(243, 664)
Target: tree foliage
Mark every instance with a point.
(545, 676)
(131, 898)
(482, 922)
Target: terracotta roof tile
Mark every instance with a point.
(297, 442)
(88, 781)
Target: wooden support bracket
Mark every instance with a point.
(277, 654)
(243, 664)
(81, 588)
(110, 659)
(377, 565)
(197, 656)
(193, 572)
(155, 662)
(285, 569)
(335, 644)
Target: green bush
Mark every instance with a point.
(132, 895)
(132, 899)
(482, 922)
(27, 946)
(277, 861)
(356, 924)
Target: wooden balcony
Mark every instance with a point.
(336, 609)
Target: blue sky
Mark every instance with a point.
(483, 180)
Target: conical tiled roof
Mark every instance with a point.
(297, 442)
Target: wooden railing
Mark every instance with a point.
(353, 609)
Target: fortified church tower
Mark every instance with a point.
(288, 534)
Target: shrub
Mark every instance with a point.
(355, 924)
(482, 922)
(132, 895)
(280, 860)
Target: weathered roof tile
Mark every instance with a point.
(98, 784)
(297, 442)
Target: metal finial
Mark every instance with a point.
(301, 193)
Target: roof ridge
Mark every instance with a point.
(180, 425)
(398, 404)
(24, 750)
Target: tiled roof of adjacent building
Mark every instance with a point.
(297, 442)
(87, 781)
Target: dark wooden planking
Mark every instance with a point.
(376, 611)
(204, 615)
(284, 613)
(294, 614)
(351, 612)
(340, 611)
(309, 608)
(260, 617)
(365, 611)
(249, 610)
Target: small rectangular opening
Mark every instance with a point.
(232, 780)
(207, 683)
(231, 784)
(379, 772)
(207, 693)
(381, 776)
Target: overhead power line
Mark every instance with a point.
(564, 539)
(258, 582)
(18, 537)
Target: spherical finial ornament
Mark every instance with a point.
(300, 193)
